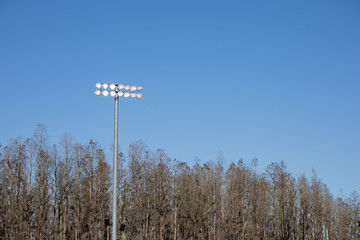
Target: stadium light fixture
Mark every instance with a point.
(117, 90)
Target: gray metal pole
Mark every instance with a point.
(114, 210)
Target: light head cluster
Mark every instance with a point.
(118, 90)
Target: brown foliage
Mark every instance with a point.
(63, 192)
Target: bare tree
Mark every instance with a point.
(353, 201)
(102, 194)
(317, 209)
(304, 208)
(282, 196)
(236, 212)
(342, 220)
(43, 163)
(14, 195)
(65, 184)
(329, 215)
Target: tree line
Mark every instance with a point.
(63, 191)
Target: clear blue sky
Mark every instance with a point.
(275, 80)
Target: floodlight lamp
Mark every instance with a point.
(105, 85)
(121, 86)
(127, 87)
(133, 88)
(120, 94)
(106, 92)
(132, 95)
(138, 96)
(140, 89)
(98, 92)
(112, 86)
(98, 85)
(112, 93)
(127, 94)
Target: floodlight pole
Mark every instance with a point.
(114, 209)
(119, 91)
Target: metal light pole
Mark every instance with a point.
(114, 212)
(118, 90)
